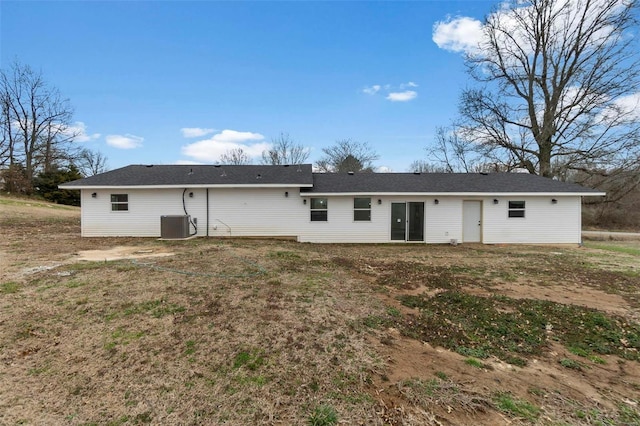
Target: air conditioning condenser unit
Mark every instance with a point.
(174, 227)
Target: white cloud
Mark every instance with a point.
(461, 34)
(402, 96)
(372, 90)
(124, 141)
(210, 150)
(464, 34)
(630, 104)
(625, 109)
(188, 163)
(409, 84)
(394, 94)
(195, 132)
(79, 129)
(384, 169)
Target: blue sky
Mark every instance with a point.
(174, 82)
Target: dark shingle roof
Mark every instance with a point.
(188, 175)
(326, 183)
(440, 183)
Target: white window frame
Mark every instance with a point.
(313, 207)
(515, 211)
(115, 204)
(361, 209)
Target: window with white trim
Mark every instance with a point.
(362, 209)
(319, 209)
(119, 202)
(516, 208)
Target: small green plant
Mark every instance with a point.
(39, 370)
(473, 352)
(515, 407)
(9, 287)
(474, 363)
(251, 360)
(578, 351)
(74, 284)
(122, 337)
(571, 363)
(373, 321)
(536, 391)
(323, 415)
(393, 312)
(628, 415)
(515, 360)
(441, 375)
(596, 359)
(190, 347)
(143, 418)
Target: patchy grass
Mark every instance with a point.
(571, 363)
(516, 407)
(276, 332)
(156, 308)
(441, 392)
(514, 329)
(617, 248)
(9, 287)
(323, 415)
(30, 203)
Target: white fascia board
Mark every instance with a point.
(228, 185)
(454, 194)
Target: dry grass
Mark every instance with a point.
(275, 332)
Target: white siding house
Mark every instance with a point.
(293, 202)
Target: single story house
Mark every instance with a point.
(292, 201)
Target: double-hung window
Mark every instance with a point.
(362, 209)
(319, 209)
(516, 208)
(119, 202)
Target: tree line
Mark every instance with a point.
(37, 149)
(345, 155)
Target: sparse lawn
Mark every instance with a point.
(627, 247)
(275, 332)
(513, 330)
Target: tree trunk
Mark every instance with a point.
(544, 160)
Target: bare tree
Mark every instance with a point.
(90, 162)
(35, 122)
(285, 150)
(558, 87)
(236, 157)
(347, 155)
(5, 146)
(454, 153)
(423, 166)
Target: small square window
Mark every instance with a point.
(319, 209)
(318, 203)
(362, 215)
(119, 202)
(516, 208)
(362, 209)
(318, 215)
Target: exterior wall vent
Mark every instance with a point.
(174, 227)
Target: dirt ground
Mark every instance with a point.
(132, 331)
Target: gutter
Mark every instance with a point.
(455, 194)
(228, 185)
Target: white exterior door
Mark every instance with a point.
(471, 221)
